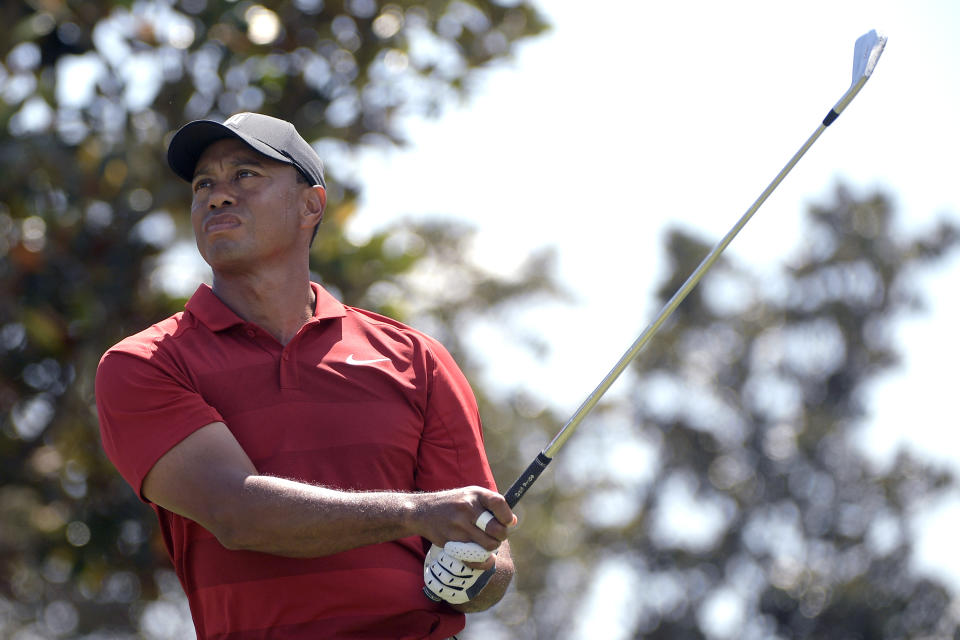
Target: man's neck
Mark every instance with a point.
(279, 305)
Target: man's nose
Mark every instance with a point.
(220, 196)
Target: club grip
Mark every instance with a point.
(527, 478)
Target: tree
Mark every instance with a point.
(728, 497)
(91, 92)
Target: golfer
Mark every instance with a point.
(301, 455)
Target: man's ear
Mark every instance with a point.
(316, 203)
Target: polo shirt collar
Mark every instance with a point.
(216, 316)
(327, 306)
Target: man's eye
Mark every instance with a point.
(245, 173)
(200, 184)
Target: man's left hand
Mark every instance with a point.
(446, 576)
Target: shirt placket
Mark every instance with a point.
(289, 377)
(286, 355)
(289, 369)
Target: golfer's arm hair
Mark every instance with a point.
(209, 478)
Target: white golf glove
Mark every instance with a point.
(446, 578)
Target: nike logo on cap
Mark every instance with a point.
(236, 119)
(352, 360)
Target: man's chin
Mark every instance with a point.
(225, 257)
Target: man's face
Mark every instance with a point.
(246, 207)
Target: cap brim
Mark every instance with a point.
(193, 138)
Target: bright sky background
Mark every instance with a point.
(630, 116)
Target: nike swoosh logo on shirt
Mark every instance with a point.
(352, 360)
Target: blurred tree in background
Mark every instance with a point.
(739, 505)
(89, 213)
(725, 496)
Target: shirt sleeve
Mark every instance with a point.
(145, 409)
(451, 450)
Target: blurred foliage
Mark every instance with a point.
(726, 496)
(90, 93)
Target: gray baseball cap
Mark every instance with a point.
(274, 138)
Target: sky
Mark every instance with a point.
(629, 117)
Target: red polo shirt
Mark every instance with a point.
(354, 401)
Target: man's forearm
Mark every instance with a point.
(288, 518)
(209, 478)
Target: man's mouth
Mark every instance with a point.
(221, 222)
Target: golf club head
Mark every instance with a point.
(866, 52)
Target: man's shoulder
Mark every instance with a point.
(401, 332)
(149, 341)
(381, 323)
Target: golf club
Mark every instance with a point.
(866, 52)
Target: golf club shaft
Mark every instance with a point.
(535, 468)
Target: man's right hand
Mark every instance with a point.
(454, 515)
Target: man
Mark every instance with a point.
(301, 455)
